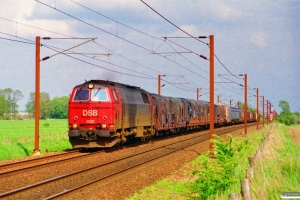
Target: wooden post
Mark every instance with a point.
(245, 189)
(234, 196)
(249, 173)
(251, 161)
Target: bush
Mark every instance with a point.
(218, 176)
(288, 118)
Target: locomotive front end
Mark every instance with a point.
(91, 116)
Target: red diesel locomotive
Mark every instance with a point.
(105, 113)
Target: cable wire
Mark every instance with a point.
(171, 22)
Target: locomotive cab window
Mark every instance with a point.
(115, 95)
(81, 95)
(100, 94)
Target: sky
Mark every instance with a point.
(259, 38)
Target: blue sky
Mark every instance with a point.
(258, 38)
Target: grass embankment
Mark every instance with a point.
(17, 137)
(278, 170)
(207, 178)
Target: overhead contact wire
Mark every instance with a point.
(95, 26)
(129, 27)
(99, 66)
(171, 22)
(112, 34)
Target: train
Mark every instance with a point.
(103, 114)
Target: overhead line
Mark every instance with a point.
(17, 40)
(108, 33)
(188, 60)
(126, 58)
(231, 81)
(52, 48)
(177, 86)
(115, 20)
(94, 26)
(34, 27)
(226, 67)
(187, 50)
(127, 25)
(112, 34)
(59, 34)
(184, 32)
(171, 22)
(47, 46)
(99, 65)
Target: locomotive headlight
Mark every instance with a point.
(75, 125)
(103, 126)
(91, 86)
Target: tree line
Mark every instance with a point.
(8, 103)
(56, 108)
(286, 116)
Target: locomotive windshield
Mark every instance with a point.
(81, 95)
(99, 95)
(96, 94)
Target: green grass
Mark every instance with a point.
(280, 170)
(171, 190)
(276, 172)
(17, 137)
(209, 178)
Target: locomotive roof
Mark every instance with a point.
(110, 83)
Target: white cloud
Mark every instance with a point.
(20, 20)
(16, 9)
(225, 12)
(259, 39)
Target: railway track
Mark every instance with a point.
(67, 183)
(46, 163)
(37, 160)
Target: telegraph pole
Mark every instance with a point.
(245, 106)
(267, 112)
(158, 86)
(211, 95)
(257, 113)
(263, 104)
(36, 150)
(197, 94)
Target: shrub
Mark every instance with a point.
(218, 176)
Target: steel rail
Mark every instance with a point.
(203, 138)
(38, 166)
(38, 159)
(148, 161)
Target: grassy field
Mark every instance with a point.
(219, 177)
(17, 137)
